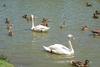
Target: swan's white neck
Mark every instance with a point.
(71, 47)
(33, 20)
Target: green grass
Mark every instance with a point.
(4, 63)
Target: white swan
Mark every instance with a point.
(38, 28)
(61, 49)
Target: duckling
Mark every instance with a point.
(79, 63)
(95, 16)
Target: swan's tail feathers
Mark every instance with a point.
(46, 48)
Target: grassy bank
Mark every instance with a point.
(4, 63)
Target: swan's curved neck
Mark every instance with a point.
(71, 47)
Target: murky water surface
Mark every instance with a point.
(25, 48)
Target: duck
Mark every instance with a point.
(10, 33)
(96, 32)
(95, 16)
(84, 28)
(7, 21)
(63, 25)
(88, 4)
(39, 27)
(97, 12)
(78, 63)
(27, 18)
(10, 29)
(24, 16)
(44, 22)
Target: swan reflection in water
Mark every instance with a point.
(59, 59)
(38, 36)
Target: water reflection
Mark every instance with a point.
(58, 59)
(39, 35)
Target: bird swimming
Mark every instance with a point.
(78, 63)
(61, 49)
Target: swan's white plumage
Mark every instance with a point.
(60, 49)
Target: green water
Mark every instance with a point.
(25, 48)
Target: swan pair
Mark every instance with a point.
(38, 28)
(61, 49)
(56, 48)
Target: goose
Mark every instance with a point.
(61, 49)
(38, 28)
(78, 63)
